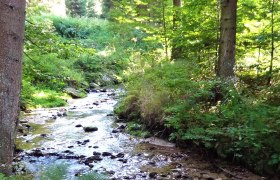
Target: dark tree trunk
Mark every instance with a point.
(12, 15)
(164, 29)
(217, 35)
(270, 73)
(176, 50)
(226, 60)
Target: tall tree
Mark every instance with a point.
(76, 7)
(107, 5)
(12, 16)
(226, 60)
(272, 42)
(175, 52)
(91, 8)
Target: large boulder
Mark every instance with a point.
(74, 93)
(94, 85)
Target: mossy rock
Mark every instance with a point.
(74, 93)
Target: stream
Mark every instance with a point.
(87, 137)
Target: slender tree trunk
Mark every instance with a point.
(12, 15)
(176, 51)
(226, 60)
(217, 35)
(164, 30)
(259, 56)
(272, 43)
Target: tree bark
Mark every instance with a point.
(12, 16)
(226, 60)
(176, 50)
(270, 73)
(164, 29)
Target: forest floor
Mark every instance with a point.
(56, 136)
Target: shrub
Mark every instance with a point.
(224, 118)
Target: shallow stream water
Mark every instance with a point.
(57, 136)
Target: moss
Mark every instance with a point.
(35, 130)
(137, 130)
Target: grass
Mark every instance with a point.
(48, 98)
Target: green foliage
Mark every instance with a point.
(2, 176)
(59, 171)
(91, 176)
(76, 7)
(48, 98)
(56, 172)
(227, 119)
(16, 177)
(138, 130)
(91, 9)
(239, 122)
(106, 7)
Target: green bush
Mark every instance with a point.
(224, 118)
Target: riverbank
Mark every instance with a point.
(57, 137)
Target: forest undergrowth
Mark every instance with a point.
(180, 99)
(235, 121)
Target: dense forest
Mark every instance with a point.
(200, 73)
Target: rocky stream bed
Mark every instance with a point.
(88, 138)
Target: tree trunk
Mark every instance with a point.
(164, 29)
(217, 35)
(176, 50)
(12, 16)
(226, 60)
(270, 73)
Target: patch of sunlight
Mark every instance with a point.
(249, 61)
(98, 7)
(255, 26)
(57, 7)
(107, 52)
(40, 94)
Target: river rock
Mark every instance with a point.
(106, 154)
(78, 125)
(43, 135)
(68, 152)
(96, 153)
(95, 158)
(120, 155)
(113, 157)
(111, 94)
(27, 126)
(153, 175)
(37, 153)
(95, 103)
(74, 93)
(90, 129)
(103, 90)
(95, 90)
(123, 160)
(115, 131)
(122, 126)
(23, 121)
(94, 85)
(111, 172)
